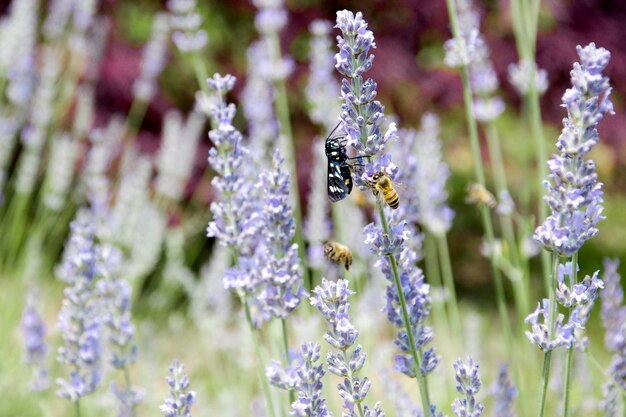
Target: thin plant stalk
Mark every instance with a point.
(77, 408)
(545, 376)
(448, 280)
(283, 322)
(422, 381)
(544, 381)
(570, 351)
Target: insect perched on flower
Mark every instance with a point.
(382, 184)
(478, 194)
(338, 253)
(339, 177)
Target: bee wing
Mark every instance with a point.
(338, 186)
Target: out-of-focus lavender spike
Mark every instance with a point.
(474, 52)
(504, 393)
(176, 157)
(257, 98)
(332, 300)
(34, 135)
(207, 294)
(57, 18)
(60, 172)
(80, 318)
(35, 346)
(84, 114)
(432, 174)
(186, 22)
(609, 405)
(322, 89)
(147, 237)
(520, 74)
(153, 59)
(96, 46)
(180, 399)
(281, 272)
(574, 194)
(467, 384)
(317, 226)
(613, 311)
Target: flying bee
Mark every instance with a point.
(478, 194)
(338, 253)
(382, 184)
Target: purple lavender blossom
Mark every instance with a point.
(180, 399)
(80, 316)
(331, 299)
(432, 173)
(472, 51)
(235, 220)
(549, 338)
(504, 393)
(416, 294)
(613, 312)
(468, 384)
(581, 293)
(362, 115)
(618, 364)
(186, 22)
(574, 195)
(609, 404)
(520, 75)
(35, 346)
(281, 273)
(153, 59)
(306, 379)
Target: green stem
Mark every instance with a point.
(434, 278)
(135, 116)
(570, 351)
(544, 381)
(351, 378)
(283, 322)
(201, 73)
(261, 363)
(422, 382)
(77, 408)
(448, 279)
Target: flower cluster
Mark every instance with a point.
(331, 299)
(472, 51)
(520, 75)
(416, 295)
(574, 195)
(432, 173)
(270, 19)
(235, 221)
(468, 384)
(180, 399)
(362, 115)
(306, 379)
(186, 21)
(579, 299)
(35, 346)
(504, 393)
(278, 259)
(80, 316)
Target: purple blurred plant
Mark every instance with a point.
(153, 59)
(186, 22)
(35, 346)
(467, 384)
(332, 300)
(305, 377)
(180, 399)
(613, 320)
(574, 195)
(504, 393)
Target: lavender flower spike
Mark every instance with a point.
(613, 311)
(361, 115)
(574, 195)
(306, 379)
(180, 399)
(504, 394)
(468, 384)
(153, 59)
(278, 255)
(80, 316)
(331, 299)
(186, 22)
(35, 346)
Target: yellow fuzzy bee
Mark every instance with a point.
(382, 185)
(338, 253)
(478, 194)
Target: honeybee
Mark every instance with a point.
(383, 185)
(478, 194)
(338, 253)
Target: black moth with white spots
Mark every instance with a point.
(339, 178)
